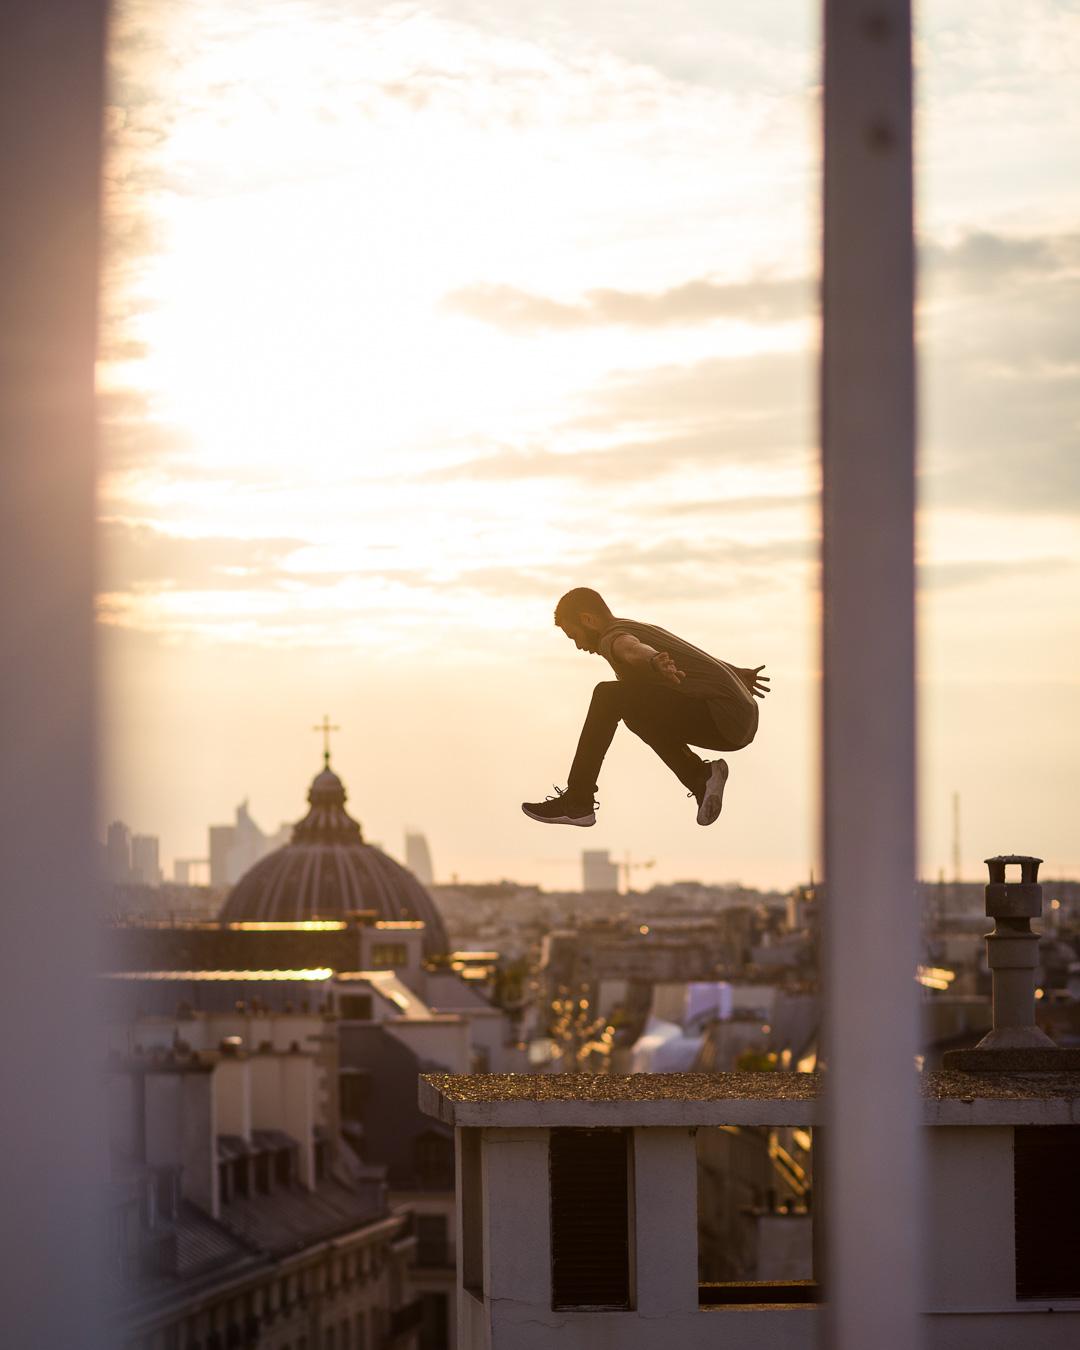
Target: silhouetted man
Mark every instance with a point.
(667, 692)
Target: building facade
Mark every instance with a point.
(577, 1221)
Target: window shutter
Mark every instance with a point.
(590, 1218)
(1046, 1180)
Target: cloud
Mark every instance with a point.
(129, 433)
(139, 558)
(753, 505)
(706, 415)
(694, 302)
(760, 49)
(974, 572)
(672, 566)
(976, 261)
(982, 257)
(1000, 392)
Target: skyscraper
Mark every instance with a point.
(598, 872)
(418, 858)
(237, 847)
(145, 860)
(118, 853)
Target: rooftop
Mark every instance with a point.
(539, 1100)
(315, 974)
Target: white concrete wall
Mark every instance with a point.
(267, 1091)
(206, 1031)
(517, 1236)
(971, 1301)
(749, 1328)
(1024, 1330)
(182, 1128)
(970, 1213)
(489, 1030)
(233, 1084)
(665, 1222)
(443, 1040)
(299, 1109)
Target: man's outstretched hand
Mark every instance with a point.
(663, 665)
(757, 683)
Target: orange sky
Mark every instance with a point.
(417, 315)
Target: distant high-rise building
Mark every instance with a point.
(598, 872)
(236, 848)
(418, 858)
(221, 841)
(191, 871)
(145, 860)
(118, 853)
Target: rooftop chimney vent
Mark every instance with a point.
(1015, 1044)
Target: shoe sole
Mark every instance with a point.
(582, 821)
(713, 801)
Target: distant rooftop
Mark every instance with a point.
(313, 975)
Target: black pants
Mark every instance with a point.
(664, 719)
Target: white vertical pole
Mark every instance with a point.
(50, 1124)
(873, 1178)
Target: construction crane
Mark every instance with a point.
(623, 868)
(626, 867)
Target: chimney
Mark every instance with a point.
(1015, 1044)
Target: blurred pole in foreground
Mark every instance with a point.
(873, 1187)
(51, 1164)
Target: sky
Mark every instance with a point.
(416, 315)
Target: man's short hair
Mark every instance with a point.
(581, 600)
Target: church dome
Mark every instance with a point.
(327, 871)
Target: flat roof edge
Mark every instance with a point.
(764, 1099)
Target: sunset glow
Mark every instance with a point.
(417, 315)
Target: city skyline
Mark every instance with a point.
(365, 417)
(615, 859)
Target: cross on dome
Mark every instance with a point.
(325, 727)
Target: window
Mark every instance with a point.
(434, 1322)
(240, 1177)
(755, 1226)
(1046, 1181)
(355, 1007)
(433, 1156)
(389, 955)
(360, 1328)
(472, 1214)
(284, 1166)
(432, 1247)
(353, 1089)
(590, 1218)
(262, 1173)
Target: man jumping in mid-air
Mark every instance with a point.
(667, 692)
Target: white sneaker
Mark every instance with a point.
(711, 798)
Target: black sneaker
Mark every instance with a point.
(710, 796)
(562, 809)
